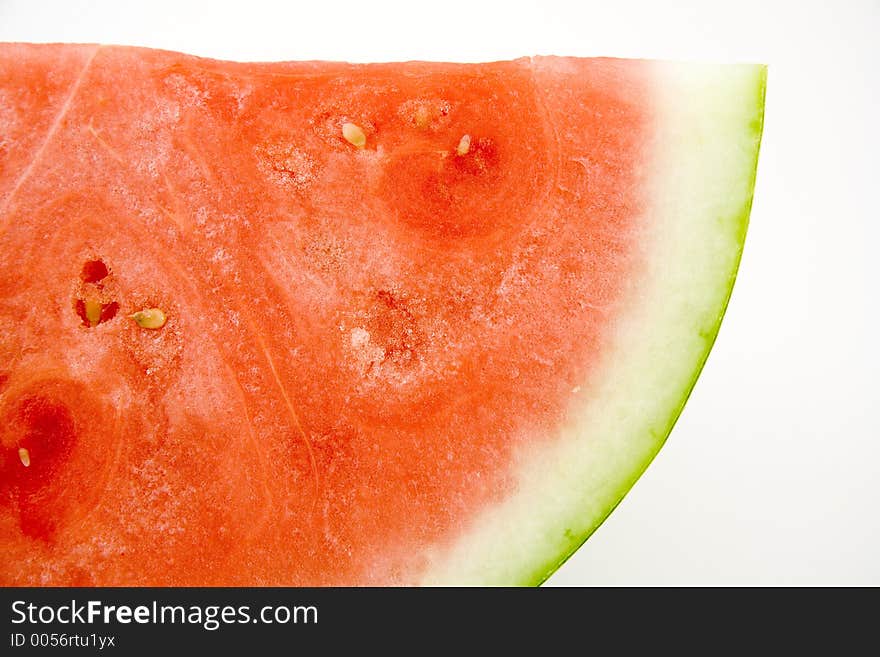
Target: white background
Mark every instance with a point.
(771, 476)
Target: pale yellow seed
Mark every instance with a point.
(93, 311)
(464, 145)
(423, 118)
(150, 318)
(354, 135)
(24, 456)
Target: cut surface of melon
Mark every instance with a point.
(326, 324)
(706, 137)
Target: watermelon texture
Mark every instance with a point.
(316, 323)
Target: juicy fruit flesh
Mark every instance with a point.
(357, 338)
(700, 177)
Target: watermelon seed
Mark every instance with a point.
(464, 145)
(422, 117)
(93, 311)
(24, 456)
(354, 135)
(150, 318)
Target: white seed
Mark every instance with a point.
(422, 117)
(464, 145)
(354, 135)
(150, 318)
(24, 456)
(93, 311)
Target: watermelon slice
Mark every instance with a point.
(319, 323)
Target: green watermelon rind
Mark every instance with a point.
(741, 223)
(490, 552)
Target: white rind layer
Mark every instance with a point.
(706, 134)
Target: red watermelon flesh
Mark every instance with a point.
(390, 292)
